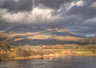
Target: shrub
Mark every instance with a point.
(23, 53)
(4, 45)
(5, 56)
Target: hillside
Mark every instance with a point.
(24, 29)
(50, 36)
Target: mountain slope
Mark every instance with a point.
(24, 29)
(59, 31)
(51, 36)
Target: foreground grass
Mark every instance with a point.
(43, 52)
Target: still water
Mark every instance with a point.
(61, 62)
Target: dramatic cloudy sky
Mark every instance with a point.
(76, 15)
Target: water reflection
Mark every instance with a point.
(61, 62)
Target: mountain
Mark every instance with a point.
(24, 29)
(60, 31)
(28, 35)
(56, 30)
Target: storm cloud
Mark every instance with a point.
(76, 15)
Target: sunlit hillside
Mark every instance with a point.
(50, 36)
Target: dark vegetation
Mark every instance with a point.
(4, 45)
(48, 42)
(66, 33)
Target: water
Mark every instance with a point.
(65, 62)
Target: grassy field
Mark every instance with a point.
(42, 52)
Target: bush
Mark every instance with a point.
(4, 45)
(23, 53)
(5, 56)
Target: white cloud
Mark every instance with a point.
(75, 3)
(37, 14)
(12, 17)
(67, 6)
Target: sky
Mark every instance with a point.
(78, 16)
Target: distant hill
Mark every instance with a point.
(28, 35)
(24, 29)
(59, 31)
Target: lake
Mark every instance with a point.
(61, 62)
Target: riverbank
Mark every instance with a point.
(46, 52)
(50, 56)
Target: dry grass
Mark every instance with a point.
(39, 37)
(31, 52)
(18, 39)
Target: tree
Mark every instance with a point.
(4, 45)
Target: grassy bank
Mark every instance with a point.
(43, 52)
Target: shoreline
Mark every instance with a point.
(45, 52)
(50, 56)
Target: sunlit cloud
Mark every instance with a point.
(75, 3)
(37, 14)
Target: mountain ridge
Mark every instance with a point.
(50, 36)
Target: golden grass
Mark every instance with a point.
(3, 34)
(67, 38)
(51, 51)
(39, 37)
(18, 39)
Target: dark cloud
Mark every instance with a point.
(55, 4)
(16, 5)
(85, 11)
(83, 29)
(76, 15)
(22, 5)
